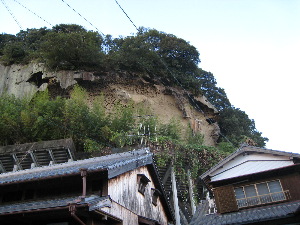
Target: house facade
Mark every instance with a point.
(121, 188)
(252, 186)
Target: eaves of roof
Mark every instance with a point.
(266, 173)
(245, 149)
(92, 202)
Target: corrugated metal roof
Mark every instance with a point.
(258, 214)
(250, 167)
(247, 149)
(115, 164)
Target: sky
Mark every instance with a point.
(251, 46)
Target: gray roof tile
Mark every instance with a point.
(258, 214)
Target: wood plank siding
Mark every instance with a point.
(123, 189)
(291, 182)
(125, 215)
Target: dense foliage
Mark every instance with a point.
(91, 127)
(149, 53)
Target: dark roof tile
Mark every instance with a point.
(258, 214)
(115, 164)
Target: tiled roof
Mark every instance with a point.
(115, 164)
(253, 215)
(93, 202)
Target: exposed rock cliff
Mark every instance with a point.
(165, 102)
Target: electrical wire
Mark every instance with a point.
(127, 15)
(196, 105)
(33, 13)
(11, 13)
(83, 17)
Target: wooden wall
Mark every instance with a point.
(123, 189)
(119, 211)
(225, 199)
(291, 182)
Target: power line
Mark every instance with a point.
(127, 15)
(11, 13)
(83, 17)
(33, 13)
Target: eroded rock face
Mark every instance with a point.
(165, 102)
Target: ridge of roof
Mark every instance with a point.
(246, 148)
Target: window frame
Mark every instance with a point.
(142, 181)
(258, 196)
(155, 196)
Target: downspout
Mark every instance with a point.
(72, 209)
(83, 175)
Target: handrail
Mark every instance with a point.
(263, 199)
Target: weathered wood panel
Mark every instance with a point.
(225, 199)
(119, 211)
(124, 190)
(291, 183)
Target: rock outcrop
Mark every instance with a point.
(163, 101)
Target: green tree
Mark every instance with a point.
(236, 125)
(79, 49)
(156, 53)
(11, 130)
(6, 39)
(14, 53)
(209, 88)
(44, 118)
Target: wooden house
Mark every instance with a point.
(252, 186)
(121, 188)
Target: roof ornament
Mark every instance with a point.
(248, 142)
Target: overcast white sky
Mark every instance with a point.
(251, 46)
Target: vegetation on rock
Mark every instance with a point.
(150, 53)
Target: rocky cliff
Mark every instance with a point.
(164, 101)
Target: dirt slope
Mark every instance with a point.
(164, 101)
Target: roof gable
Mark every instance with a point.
(249, 160)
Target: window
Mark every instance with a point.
(260, 193)
(155, 194)
(142, 182)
